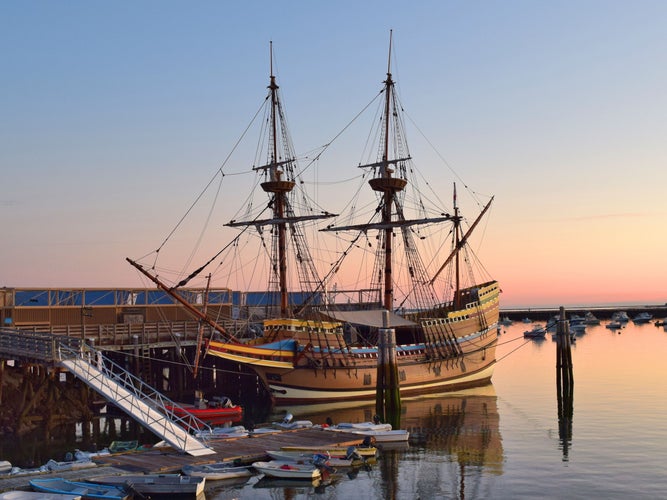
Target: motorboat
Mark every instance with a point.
(351, 459)
(591, 319)
(620, 316)
(538, 332)
(642, 317)
(369, 451)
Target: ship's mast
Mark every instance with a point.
(279, 188)
(389, 186)
(457, 242)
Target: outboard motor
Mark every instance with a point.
(225, 402)
(288, 418)
(351, 454)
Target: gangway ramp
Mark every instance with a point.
(136, 398)
(131, 394)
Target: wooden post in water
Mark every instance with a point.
(564, 382)
(387, 389)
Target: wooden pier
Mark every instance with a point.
(167, 460)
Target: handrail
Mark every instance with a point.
(133, 384)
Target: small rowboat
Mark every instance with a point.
(217, 471)
(287, 470)
(237, 431)
(386, 436)
(154, 484)
(83, 489)
(309, 458)
(35, 495)
(361, 426)
(370, 451)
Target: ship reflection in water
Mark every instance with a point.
(454, 439)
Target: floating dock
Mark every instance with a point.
(163, 460)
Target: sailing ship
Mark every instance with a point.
(314, 348)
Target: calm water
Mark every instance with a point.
(503, 441)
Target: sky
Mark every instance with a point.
(116, 114)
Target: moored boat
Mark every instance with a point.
(285, 469)
(123, 446)
(537, 332)
(642, 317)
(154, 484)
(362, 426)
(591, 319)
(236, 431)
(219, 471)
(36, 495)
(369, 451)
(349, 460)
(84, 489)
(385, 436)
(84, 463)
(620, 316)
(207, 412)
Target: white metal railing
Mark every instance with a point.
(138, 399)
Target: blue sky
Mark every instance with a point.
(115, 114)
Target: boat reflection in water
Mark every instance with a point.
(462, 427)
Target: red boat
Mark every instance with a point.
(218, 411)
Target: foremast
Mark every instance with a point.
(391, 170)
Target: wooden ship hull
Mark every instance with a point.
(303, 366)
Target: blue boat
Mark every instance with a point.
(87, 490)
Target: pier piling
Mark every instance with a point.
(388, 397)
(564, 382)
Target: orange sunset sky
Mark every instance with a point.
(116, 115)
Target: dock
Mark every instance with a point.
(165, 460)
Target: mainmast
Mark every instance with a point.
(457, 243)
(279, 188)
(389, 186)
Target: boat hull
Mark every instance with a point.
(287, 470)
(209, 415)
(457, 351)
(217, 472)
(155, 484)
(303, 385)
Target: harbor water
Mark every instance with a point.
(503, 441)
(506, 440)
